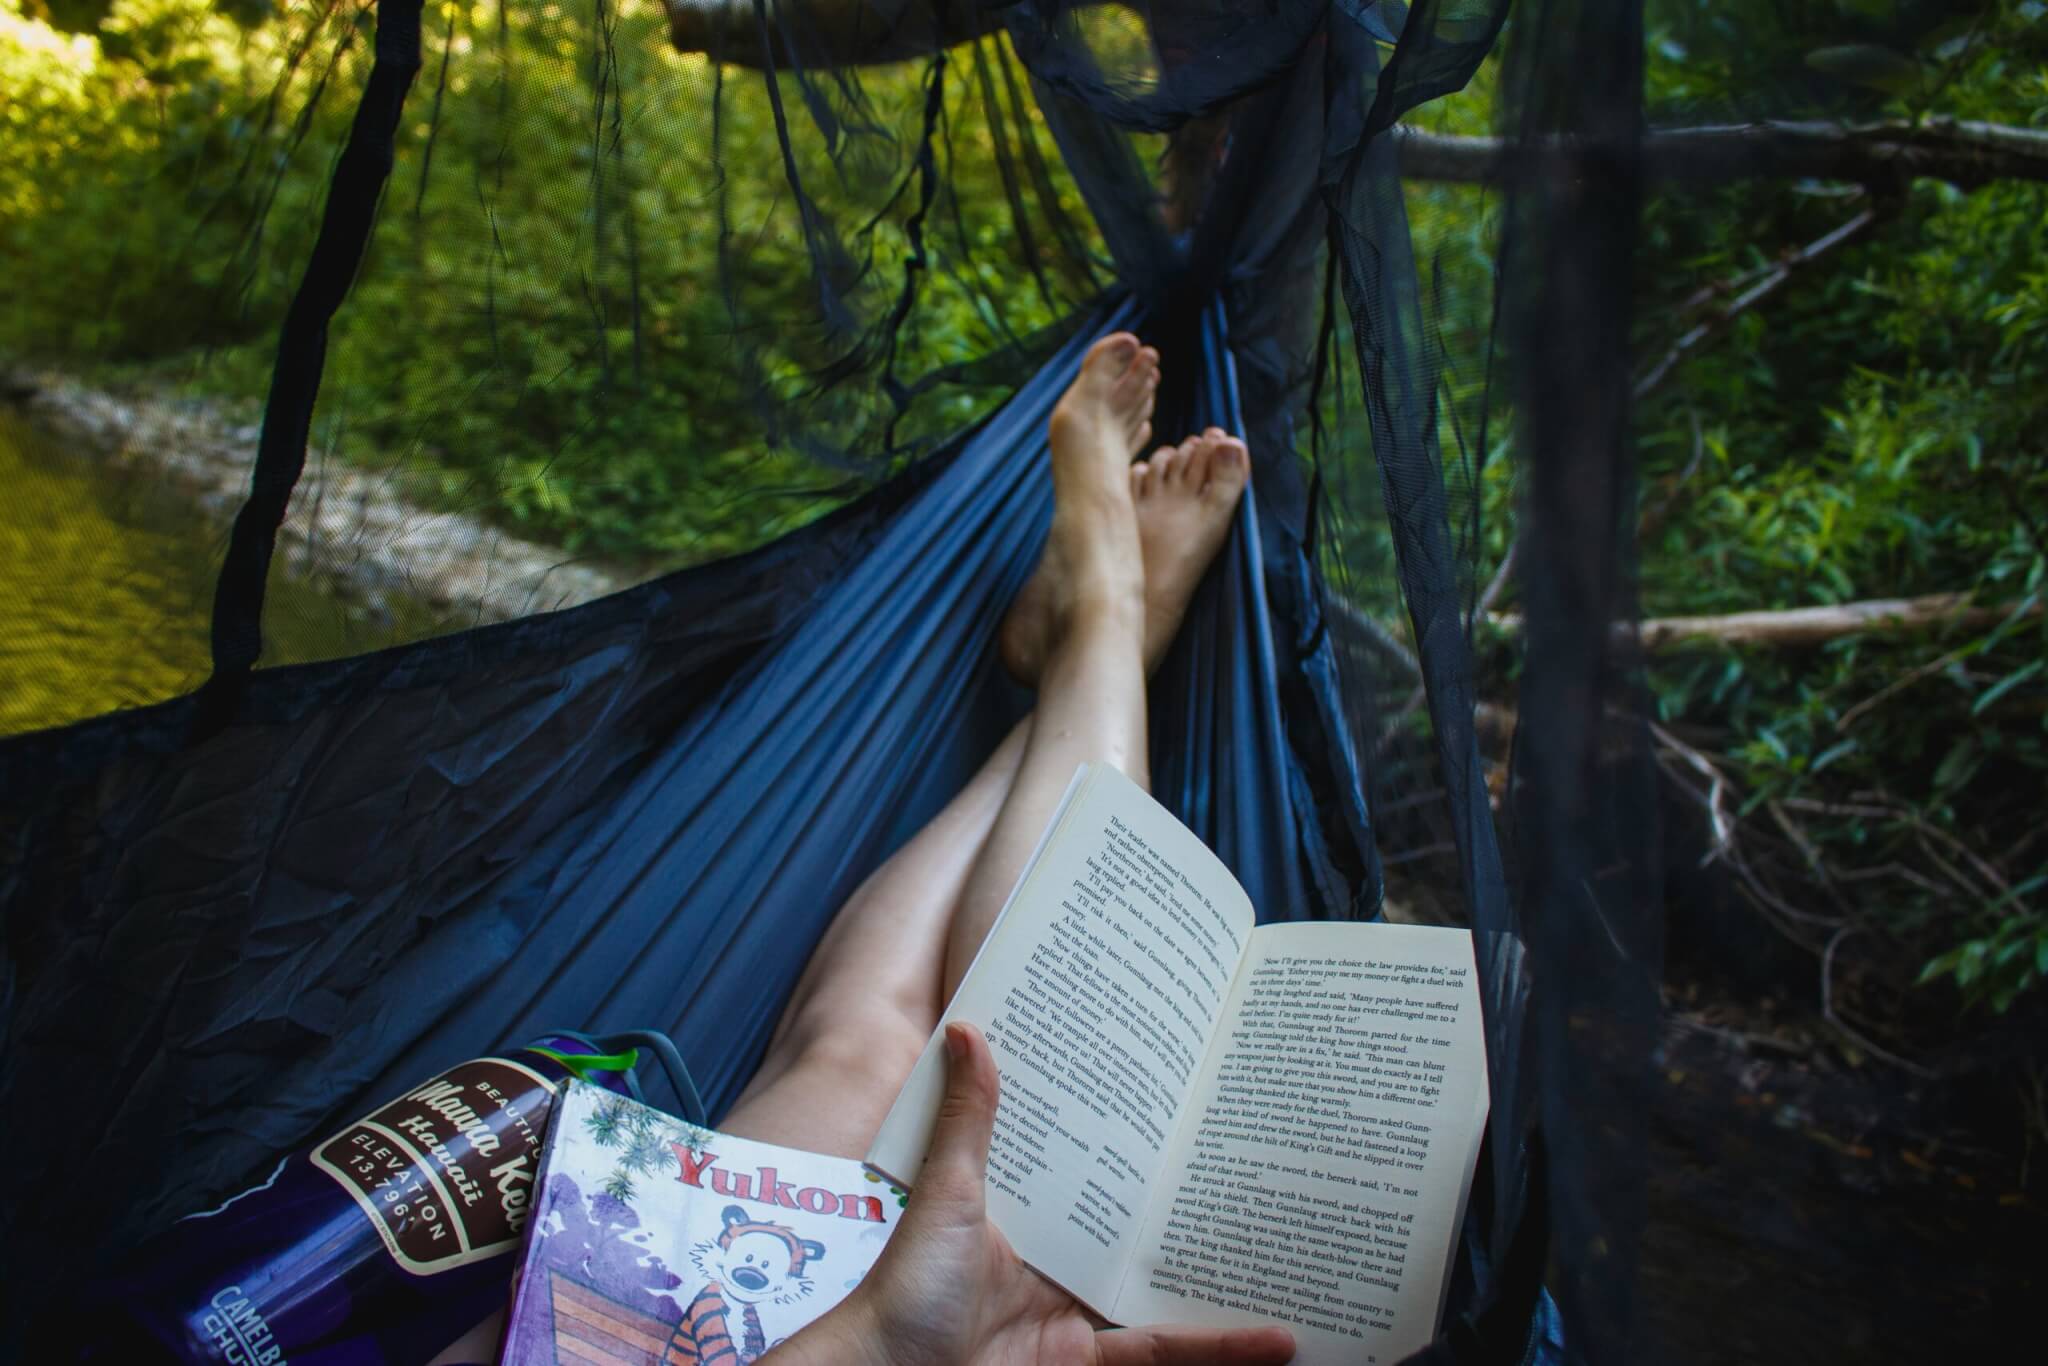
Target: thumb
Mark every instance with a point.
(957, 1162)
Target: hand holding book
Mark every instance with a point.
(948, 1288)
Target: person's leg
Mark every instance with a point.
(1185, 497)
(873, 990)
(1091, 703)
(870, 995)
(878, 981)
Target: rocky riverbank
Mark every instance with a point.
(352, 527)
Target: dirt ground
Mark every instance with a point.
(1808, 1204)
(1802, 1209)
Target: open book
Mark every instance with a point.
(1206, 1122)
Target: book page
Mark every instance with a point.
(1098, 989)
(1324, 1161)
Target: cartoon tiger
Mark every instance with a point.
(748, 1264)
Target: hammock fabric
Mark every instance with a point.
(237, 917)
(639, 812)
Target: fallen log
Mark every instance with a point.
(1806, 626)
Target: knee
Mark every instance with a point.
(857, 1050)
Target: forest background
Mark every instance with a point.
(1841, 392)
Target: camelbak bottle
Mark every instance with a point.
(380, 1244)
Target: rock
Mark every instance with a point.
(346, 525)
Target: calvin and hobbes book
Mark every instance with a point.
(1207, 1122)
(654, 1241)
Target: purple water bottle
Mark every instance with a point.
(379, 1245)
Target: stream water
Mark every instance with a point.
(106, 587)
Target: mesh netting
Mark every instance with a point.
(707, 274)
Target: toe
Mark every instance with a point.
(1141, 479)
(1112, 355)
(1200, 461)
(1230, 469)
(1140, 375)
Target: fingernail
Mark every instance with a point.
(956, 1042)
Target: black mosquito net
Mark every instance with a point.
(723, 285)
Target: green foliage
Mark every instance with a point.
(1867, 432)
(646, 1139)
(135, 161)
(541, 330)
(1998, 967)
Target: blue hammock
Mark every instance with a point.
(642, 812)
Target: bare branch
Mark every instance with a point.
(1727, 849)
(1496, 585)
(1743, 1041)
(1368, 631)
(1815, 865)
(1899, 684)
(1777, 275)
(1802, 626)
(1900, 871)
(1653, 518)
(1833, 1017)
(1965, 153)
(1715, 800)
(1924, 828)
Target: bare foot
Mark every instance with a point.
(1093, 553)
(1186, 495)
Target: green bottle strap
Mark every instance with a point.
(581, 1065)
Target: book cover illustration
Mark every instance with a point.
(655, 1242)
